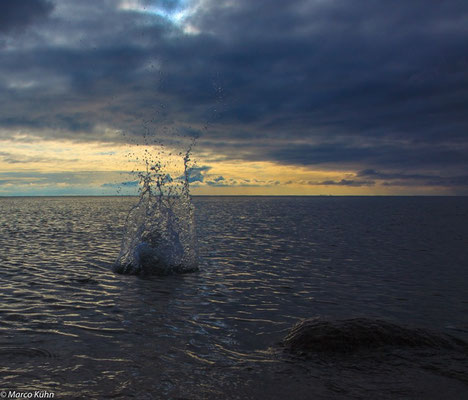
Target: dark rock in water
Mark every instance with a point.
(350, 335)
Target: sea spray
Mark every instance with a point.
(159, 236)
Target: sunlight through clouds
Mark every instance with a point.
(275, 108)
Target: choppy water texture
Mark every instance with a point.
(70, 325)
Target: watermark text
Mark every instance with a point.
(31, 394)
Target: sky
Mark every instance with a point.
(297, 97)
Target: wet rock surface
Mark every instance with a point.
(350, 335)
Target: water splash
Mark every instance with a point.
(159, 236)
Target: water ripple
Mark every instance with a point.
(69, 324)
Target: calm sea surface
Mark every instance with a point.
(71, 326)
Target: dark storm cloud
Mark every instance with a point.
(344, 182)
(403, 179)
(324, 84)
(10, 158)
(218, 181)
(196, 174)
(66, 177)
(391, 156)
(121, 184)
(18, 14)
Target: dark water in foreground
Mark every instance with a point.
(69, 325)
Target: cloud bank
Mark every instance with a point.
(344, 85)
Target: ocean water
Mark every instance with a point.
(71, 326)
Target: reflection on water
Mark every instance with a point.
(68, 324)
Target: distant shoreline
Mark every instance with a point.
(233, 195)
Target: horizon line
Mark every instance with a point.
(241, 195)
